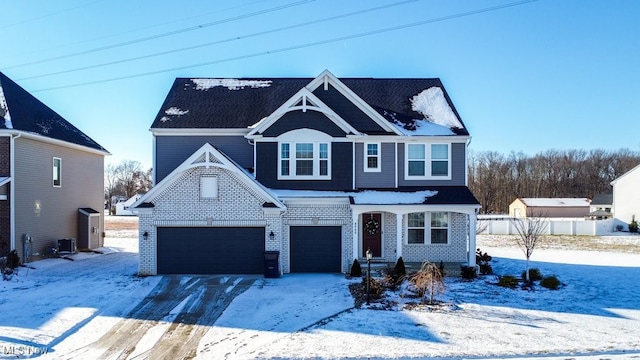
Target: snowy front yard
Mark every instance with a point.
(61, 306)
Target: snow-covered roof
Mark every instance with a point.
(556, 202)
(4, 180)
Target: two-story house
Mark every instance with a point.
(51, 178)
(320, 169)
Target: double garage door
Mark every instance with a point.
(226, 250)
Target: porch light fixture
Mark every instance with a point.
(145, 236)
(369, 256)
(272, 236)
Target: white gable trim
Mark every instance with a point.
(326, 78)
(309, 102)
(212, 158)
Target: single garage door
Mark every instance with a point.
(316, 249)
(205, 250)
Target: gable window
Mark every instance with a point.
(308, 160)
(427, 161)
(208, 187)
(428, 228)
(372, 157)
(57, 172)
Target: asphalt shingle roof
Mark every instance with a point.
(30, 115)
(189, 105)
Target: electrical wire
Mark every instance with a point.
(300, 46)
(235, 38)
(157, 36)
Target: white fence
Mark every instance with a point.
(552, 227)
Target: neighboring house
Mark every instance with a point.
(51, 178)
(319, 169)
(600, 207)
(122, 207)
(626, 197)
(549, 207)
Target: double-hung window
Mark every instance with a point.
(57, 172)
(428, 228)
(371, 157)
(304, 160)
(427, 161)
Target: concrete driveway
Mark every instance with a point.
(170, 321)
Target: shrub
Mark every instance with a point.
(400, 269)
(550, 282)
(633, 225)
(468, 272)
(441, 268)
(356, 269)
(534, 274)
(508, 281)
(428, 279)
(483, 259)
(375, 288)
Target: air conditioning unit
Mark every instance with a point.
(66, 246)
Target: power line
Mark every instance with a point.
(48, 15)
(301, 46)
(235, 38)
(153, 37)
(164, 24)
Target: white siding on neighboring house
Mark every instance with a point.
(626, 196)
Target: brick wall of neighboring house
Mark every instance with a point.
(181, 205)
(454, 251)
(5, 169)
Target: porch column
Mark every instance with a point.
(398, 234)
(356, 239)
(472, 240)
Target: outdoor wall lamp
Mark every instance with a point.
(272, 235)
(145, 236)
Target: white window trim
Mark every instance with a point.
(292, 161)
(427, 162)
(366, 156)
(59, 174)
(427, 230)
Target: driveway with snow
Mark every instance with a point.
(96, 307)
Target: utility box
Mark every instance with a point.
(89, 229)
(67, 246)
(272, 264)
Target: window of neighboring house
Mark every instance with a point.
(428, 228)
(372, 157)
(427, 161)
(208, 187)
(305, 160)
(57, 172)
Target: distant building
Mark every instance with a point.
(626, 197)
(600, 207)
(549, 207)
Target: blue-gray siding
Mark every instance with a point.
(311, 119)
(341, 169)
(458, 171)
(171, 151)
(383, 179)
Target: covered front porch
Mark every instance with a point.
(417, 233)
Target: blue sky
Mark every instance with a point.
(524, 75)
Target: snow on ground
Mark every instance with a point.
(60, 305)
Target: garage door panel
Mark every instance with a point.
(183, 250)
(316, 249)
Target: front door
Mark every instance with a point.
(372, 234)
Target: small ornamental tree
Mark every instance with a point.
(400, 269)
(356, 269)
(633, 225)
(530, 230)
(428, 278)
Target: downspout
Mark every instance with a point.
(12, 192)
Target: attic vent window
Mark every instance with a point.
(208, 187)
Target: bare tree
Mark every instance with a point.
(430, 278)
(125, 179)
(530, 230)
